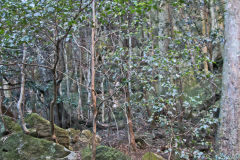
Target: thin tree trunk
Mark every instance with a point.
(79, 85)
(22, 92)
(216, 51)
(145, 94)
(1, 110)
(204, 33)
(67, 78)
(55, 89)
(129, 91)
(78, 69)
(53, 102)
(103, 97)
(115, 120)
(94, 98)
(89, 90)
(129, 120)
(62, 112)
(6, 90)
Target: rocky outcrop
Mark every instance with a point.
(19, 146)
(43, 129)
(39, 146)
(11, 125)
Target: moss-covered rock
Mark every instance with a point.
(104, 153)
(152, 156)
(19, 146)
(73, 135)
(11, 125)
(87, 133)
(43, 129)
(86, 139)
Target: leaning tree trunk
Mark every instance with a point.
(22, 92)
(228, 136)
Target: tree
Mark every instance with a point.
(94, 98)
(228, 136)
(22, 92)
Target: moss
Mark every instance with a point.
(23, 147)
(43, 129)
(104, 153)
(74, 134)
(87, 133)
(152, 156)
(11, 125)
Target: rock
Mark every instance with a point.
(43, 129)
(140, 141)
(85, 139)
(11, 125)
(73, 135)
(87, 133)
(152, 156)
(104, 153)
(19, 146)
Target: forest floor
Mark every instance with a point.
(147, 140)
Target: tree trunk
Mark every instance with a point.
(55, 89)
(6, 90)
(129, 89)
(129, 120)
(79, 85)
(204, 33)
(1, 109)
(88, 82)
(67, 77)
(228, 136)
(94, 98)
(22, 92)
(103, 97)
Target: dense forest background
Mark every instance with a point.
(145, 76)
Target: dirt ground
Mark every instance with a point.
(146, 142)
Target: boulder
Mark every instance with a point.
(11, 125)
(43, 129)
(81, 140)
(73, 135)
(23, 147)
(152, 156)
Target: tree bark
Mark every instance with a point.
(79, 85)
(1, 110)
(55, 89)
(94, 98)
(129, 121)
(204, 33)
(103, 97)
(22, 92)
(228, 135)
